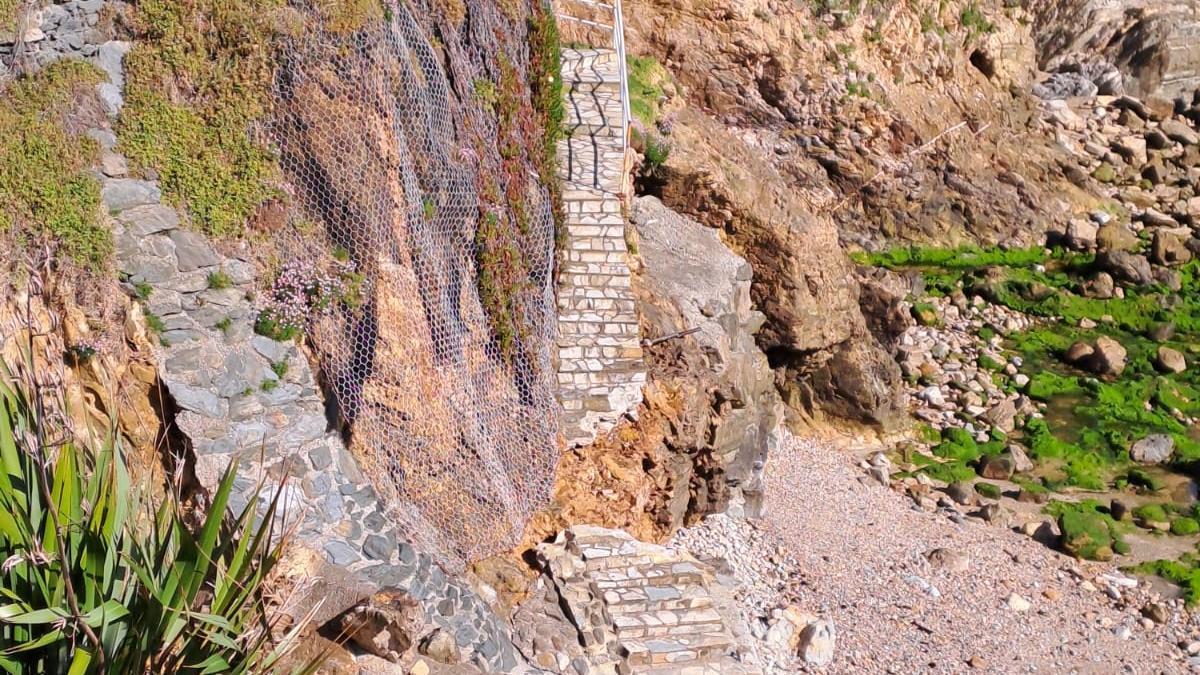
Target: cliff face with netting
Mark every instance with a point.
(414, 153)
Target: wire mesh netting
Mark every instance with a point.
(412, 161)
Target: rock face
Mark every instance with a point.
(815, 331)
(443, 373)
(691, 281)
(1155, 45)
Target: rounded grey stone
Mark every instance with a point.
(377, 547)
(340, 553)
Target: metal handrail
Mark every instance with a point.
(619, 39)
(587, 22)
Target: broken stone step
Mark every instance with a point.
(676, 651)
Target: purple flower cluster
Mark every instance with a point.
(299, 291)
(84, 349)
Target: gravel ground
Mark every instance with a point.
(841, 547)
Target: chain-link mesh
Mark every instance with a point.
(413, 159)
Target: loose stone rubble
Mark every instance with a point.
(941, 364)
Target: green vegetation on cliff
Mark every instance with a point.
(45, 188)
(8, 13)
(197, 79)
(98, 578)
(646, 77)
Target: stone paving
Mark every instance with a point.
(600, 370)
(56, 30)
(639, 608)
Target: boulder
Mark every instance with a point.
(1113, 236)
(1169, 360)
(1101, 286)
(1161, 332)
(997, 467)
(1152, 217)
(1085, 534)
(1179, 132)
(1021, 461)
(963, 493)
(1081, 234)
(1156, 172)
(1002, 416)
(1125, 266)
(1153, 449)
(1169, 249)
(1108, 358)
(1133, 149)
(948, 559)
(1077, 352)
(817, 643)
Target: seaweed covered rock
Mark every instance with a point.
(1086, 533)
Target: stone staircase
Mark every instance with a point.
(641, 608)
(600, 370)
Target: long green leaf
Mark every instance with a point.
(80, 663)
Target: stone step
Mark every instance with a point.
(669, 619)
(598, 53)
(676, 651)
(619, 269)
(583, 384)
(585, 198)
(593, 96)
(580, 59)
(652, 597)
(719, 666)
(609, 127)
(637, 631)
(598, 74)
(656, 574)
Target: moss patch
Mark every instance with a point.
(989, 490)
(1093, 422)
(1184, 526)
(1185, 572)
(198, 77)
(8, 13)
(45, 189)
(1088, 532)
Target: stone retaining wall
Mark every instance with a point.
(61, 29)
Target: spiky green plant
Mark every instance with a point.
(95, 579)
